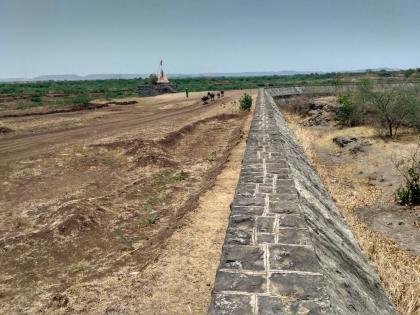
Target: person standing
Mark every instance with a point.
(186, 92)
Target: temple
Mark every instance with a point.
(162, 85)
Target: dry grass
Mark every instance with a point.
(398, 270)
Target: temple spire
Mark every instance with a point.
(163, 79)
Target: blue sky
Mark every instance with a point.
(196, 36)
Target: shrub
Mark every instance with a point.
(245, 102)
(346, 111)
(152, 218)
(36, 99)
(410, 170)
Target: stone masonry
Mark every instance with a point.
(287, 248)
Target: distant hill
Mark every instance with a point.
(75, 77)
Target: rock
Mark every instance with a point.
(315, 120)
(314, 112)
(345, 140)
(316, 107)
(365, 142)
(356, 149)
(59, 300)
(4, 130)
(330, 108)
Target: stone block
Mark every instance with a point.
(283, 207)
(283, 173)
(263, 238)
(229, 281)
(251, 179)
(291, 221)
(285, 186)
(242, 222)
(283, 203)
(277, 168)
(242, 258)
(265, 188)
(231, 304)
(247, 211)
(293, 258)
(246, 190)
(293, 236)
(298, 286)
(309, 307)
(265, 224)
(246, 201)
(238, 237)
(269, 305)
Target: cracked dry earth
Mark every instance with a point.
(76, 214)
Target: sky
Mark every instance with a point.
(39, 37)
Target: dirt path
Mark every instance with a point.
(32, 140)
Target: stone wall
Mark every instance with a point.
(157, 89)
(287, 248)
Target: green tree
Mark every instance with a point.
(153, 78)
(391, 107)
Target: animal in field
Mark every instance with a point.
(211, 95)
(205, 99)
(222, 93)
(218, 95)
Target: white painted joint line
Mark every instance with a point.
(276, 227)
(267, 267)
(296, 272)
(266, 204)
(254, 304)
(245, 272)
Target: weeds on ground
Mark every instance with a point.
(170, 176)
(160, 198)
(79, 266)
(211, 157)
(152, 218)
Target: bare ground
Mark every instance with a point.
(92, 195)
(180, 279)
(363, 186)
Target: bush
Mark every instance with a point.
(352, 110)
(346, 111)
(245, 102)
(36, 99)
(410, 170)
